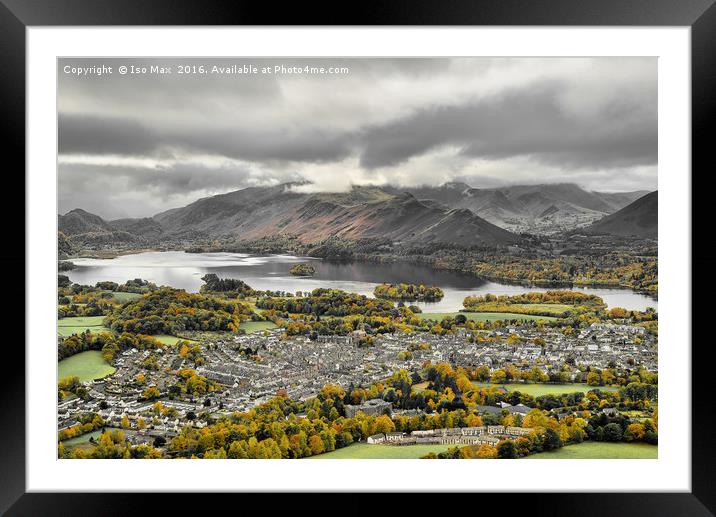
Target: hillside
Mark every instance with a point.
(362, 212)
(549, 208)
(266, 211)
(451, 213)
(81, 227)
(638, 219)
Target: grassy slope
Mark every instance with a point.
(586, 450)
(368, 451)
(485, 316)
(171, 340)
(553, 308)
(600, 450)
(87, 366)
(125, 297)
(83, 438)
(68, 326)
(257, 326)
(543, 389)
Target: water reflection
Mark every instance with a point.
(184, 271)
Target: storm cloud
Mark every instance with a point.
(137, 145)
(518, 123)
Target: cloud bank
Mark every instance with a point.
(132, 146)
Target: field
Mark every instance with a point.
(365, 451)
(83, 438)
(87, 366)
(206, 336)
(600, 450)
(537, 390)
(124, 297)
(68, 326)
(171, 340)
(421, 386)
(257, 326)
(586, 450)
(551, 308)
(485, 316)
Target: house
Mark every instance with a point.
(394, 437)
(489, 409)
(519, 409)
(376, 438)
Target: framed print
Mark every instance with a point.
(440, 249)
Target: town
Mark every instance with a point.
(298, 367)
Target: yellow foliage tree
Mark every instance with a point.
(486, 451)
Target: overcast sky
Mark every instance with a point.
(136, 144)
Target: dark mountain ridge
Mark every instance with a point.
(257, 212)
(638, 219)
(453, 213)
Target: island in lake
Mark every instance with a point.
(302, 270)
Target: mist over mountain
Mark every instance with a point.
(548, 208)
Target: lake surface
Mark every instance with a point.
(184, 271)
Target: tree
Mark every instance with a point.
(651, 437)
(506, 450)
(551, 440)
(634, 432)
(316, 444)
(384, 424)
(594, 379)
(486, 451)
(612, 432)
(498, 377)
(151, 393)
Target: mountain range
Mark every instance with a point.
(544, 209)
(451, 213)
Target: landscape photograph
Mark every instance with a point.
(357, 258)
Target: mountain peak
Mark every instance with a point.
(638, 219)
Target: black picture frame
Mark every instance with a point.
(700, 15)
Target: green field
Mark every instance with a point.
(68, 326)
(124, 297)
(257, 326)
(87, 366)
(600, 450)
(366, 451)
(83, 438)
(551, 308)
(166, 339)
(537, 390)
(485, 316)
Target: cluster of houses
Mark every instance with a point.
(490, 435)
(300, 367)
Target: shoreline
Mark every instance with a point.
(363, 259)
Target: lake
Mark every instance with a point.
(270, 272)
